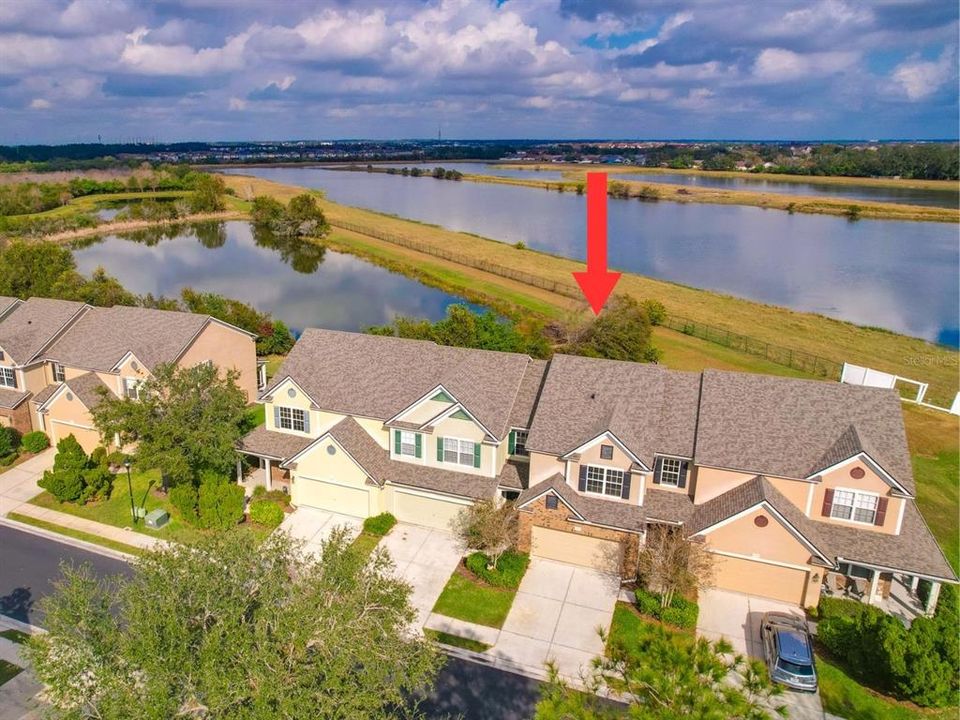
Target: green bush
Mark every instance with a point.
(184, 498)
(507, 574)
(9, 441)
(830, 607)
(65, 480)
(220, 504)
(98, 483)
(655, 311)
(35, 442)
(647, 602)
(681, 613)
(99, 456)
(117, 458)
(380, 524)
(266, 512)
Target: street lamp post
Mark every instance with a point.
(133, 509)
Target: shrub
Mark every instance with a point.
(647, 602)
(830, 607)
(9, 441)
(65, 480)
(117, 458)
(99, 456)
(259, 491)
(35, 442)
(656, 311)
(380, 524)
(220, 504)
(266, 512)
(508, 572)
(184, 498)
(681, 613)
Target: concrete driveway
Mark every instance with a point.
(425, 558)
(737, 617)
(19, 484)
(555, 616)
(313, 526)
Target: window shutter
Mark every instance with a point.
(276, 416)
(306, 421)
(439, 449)
(582, 487)
(625, 492)
(827, 502)
(418, 445)
(682, 482)
(657, 467)
(512, 444)
(396, 442)
(881, 511)
(476, 455)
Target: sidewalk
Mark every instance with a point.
(18, 697)
(19, 484)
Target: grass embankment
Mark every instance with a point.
(462, 274)
(721, 196)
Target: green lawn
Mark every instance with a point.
(8, 671)
(256, 415)
(366, 542)
(15, 636)
(116, 510)
(78, 534)
(457, 641)
(844, 696)
(467, 599)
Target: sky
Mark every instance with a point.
(175, 70)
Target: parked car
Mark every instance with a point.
(788, 651)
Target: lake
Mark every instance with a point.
(909, 196)
(300, 283)
(898, 275)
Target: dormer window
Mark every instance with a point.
(604, 481)
(58, 374)
(857, 506)
(8, 377)
(518, 442)
(670, 472)
(287, 418)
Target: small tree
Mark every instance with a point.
(208, 192)
(621, 332)
(65, 481)
(229, 628)
(670, 564)
(489, 528)
(186, 422)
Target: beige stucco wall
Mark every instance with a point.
(34, 379)
(773, 542)
(870, 482)
(319, 464)
(620, 461)
(544, 466)
(463, 430)
(229, 350)
(69, 411)
(423, 412)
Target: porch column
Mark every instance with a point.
(268, 481)
(932, 598)
(874, 584)
(239, 471)
(914, 583)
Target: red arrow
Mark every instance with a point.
(597, 282)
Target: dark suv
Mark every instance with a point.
(788, 651)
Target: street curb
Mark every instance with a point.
(66, 539)
(9, 623)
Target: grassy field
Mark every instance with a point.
(832, 339)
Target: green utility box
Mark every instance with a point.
(156, 519)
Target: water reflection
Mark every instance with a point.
(300, 283)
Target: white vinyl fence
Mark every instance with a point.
(858, 375)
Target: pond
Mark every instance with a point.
(300, 283)
(902, 276)
(909, 196)
(534, 172)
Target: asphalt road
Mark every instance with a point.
(29, 564)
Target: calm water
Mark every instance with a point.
(299, 283)
(910, 196)
(898, 275)
(479, 168)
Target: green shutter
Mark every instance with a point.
(512, 445)
(418, 438)
(396, 442)
(439, 449)
(476, 455)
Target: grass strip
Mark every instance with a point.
(466, 599)
(456, 641)
(8, 671)
(76, 534)
(16, 636)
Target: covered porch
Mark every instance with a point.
(898, 593)
(262, 471)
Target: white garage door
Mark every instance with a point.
(330, 496)
(88, 439)
(576, 549)
(428, 511)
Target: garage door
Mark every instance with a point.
(756, 578)
(325, 495)
(576, 549)
(428, 511)
(88, 439)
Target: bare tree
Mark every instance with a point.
(671, 564)
(489, 528)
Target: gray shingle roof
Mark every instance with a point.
(12, 398)
(667, 506)
(788, 427)
(87, 388)
(41, 397)
(515, 475)
(100, 339)
(525, 403)
(7, 303)
(649, 408)
(277, 445)
(377, 377)
(593, 510)
(33, 324)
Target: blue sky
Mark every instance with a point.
(289, 69)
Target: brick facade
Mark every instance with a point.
(18, 418)
(537, 514)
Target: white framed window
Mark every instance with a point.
(520, 442)
(855, 506)
(670, 469)
(408, 443)
(458, 451)
(131, 388)
(604, 481)
(291, 419)
(8, 377)
(58, 374)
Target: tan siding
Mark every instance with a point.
(870, 482)
(711, 482)
(772, 542)
(228, 350)
(424, 412)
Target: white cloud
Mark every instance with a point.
(236, 104)
(780, 65)
(156, 59)
(918, 79)
(40, 104)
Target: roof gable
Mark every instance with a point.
(33, 324)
